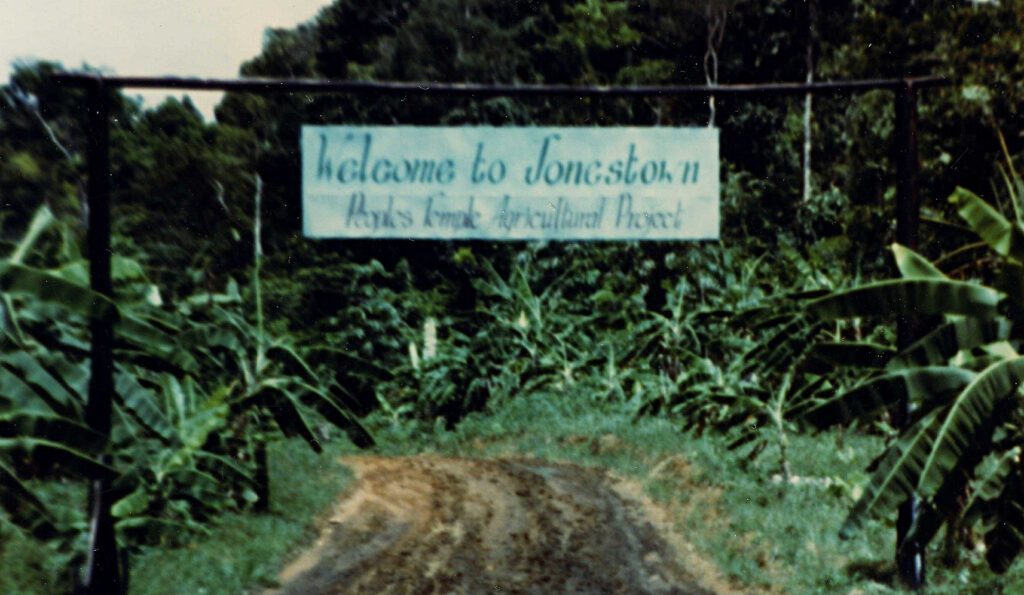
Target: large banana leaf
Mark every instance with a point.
(896, 476)
(1005, 237)
(51, 428)
(192, 413)
(32, 374)
(909, 297)
(141, 403)
(970, 414)
(870, 397)
(19, 279)
(72, 374)
(351, 362)
(275, 396)
(330, 406)
(47, 453)
(1005, 539)
(783, 348)
(938, 346)
(990, 478)
(927, 451)
(163, 348)
(18, 395)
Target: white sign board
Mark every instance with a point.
(530, 183)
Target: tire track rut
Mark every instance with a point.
(430, 524)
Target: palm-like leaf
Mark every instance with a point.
(1004, 237)
(17, 279)
(938, 346)
(909, 297)
(914, 266)
(915, 385)
(918, 462)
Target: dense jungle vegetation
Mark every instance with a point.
(239, 340)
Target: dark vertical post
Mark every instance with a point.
(909, 556)
(102, 571)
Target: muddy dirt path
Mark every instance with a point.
(429, 524)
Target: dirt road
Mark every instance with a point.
(443, 525)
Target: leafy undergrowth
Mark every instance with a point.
(764, 535)
(246, 551)
(241, 552)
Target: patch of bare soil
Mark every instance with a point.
(429, 524)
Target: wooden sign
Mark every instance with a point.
(528, 183)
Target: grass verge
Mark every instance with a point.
(764, 535)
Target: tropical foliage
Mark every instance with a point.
(960, 451)
(182, 450)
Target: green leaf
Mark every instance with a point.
(992, 475)
(894, 480)
(907, 297)
(142, 404)
(47, 452)
(1006, 238)
(1005, 539)
(925, 453)
(47, 387)
(938, 346)
(22, 280)
(969, 414)
(22, 506)
(286, 410)
(914, 266)
(157, 343)
(131, 505)
(49, 428)
(352, 363)
(41, 220)
(340, 417)
(917, 385)
(223, 466)
(292, 361)
(783, 348)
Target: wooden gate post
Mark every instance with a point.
(910, 557)
(102, 569)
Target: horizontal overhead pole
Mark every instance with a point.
(269, 85)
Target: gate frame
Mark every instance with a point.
(103, 572)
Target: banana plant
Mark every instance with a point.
(960, 453)
(172, 456)
(44, 377)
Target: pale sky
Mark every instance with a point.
(208, 38)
